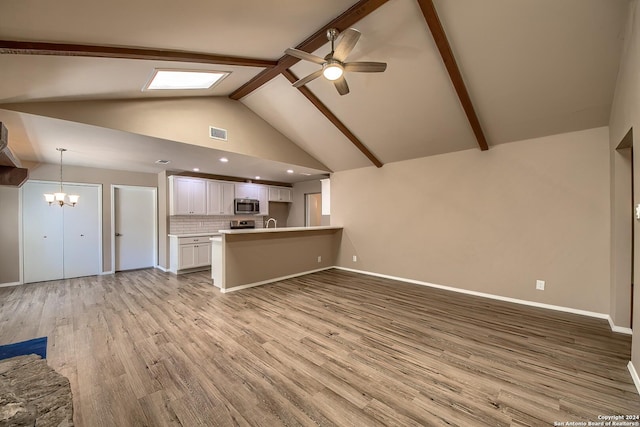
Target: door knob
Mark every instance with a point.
(118, 234)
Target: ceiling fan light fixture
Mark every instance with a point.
(332, 70)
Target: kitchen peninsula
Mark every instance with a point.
(252, 257)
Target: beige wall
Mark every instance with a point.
(252, 258)
(491, 222)
(296, 214)
(280, 212)
(49, 172)
(9, 235)
(184, 120)
(625, 114)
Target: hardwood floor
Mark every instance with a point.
(145, 348)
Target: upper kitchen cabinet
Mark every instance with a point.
(220, 197)
(254, 191)
(263, 197)
(187, 196)
(280, 194)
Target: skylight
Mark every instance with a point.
(184, 79)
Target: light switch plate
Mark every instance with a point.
(540, 285)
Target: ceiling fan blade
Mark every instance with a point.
(296, 53)
(342, 86)
(347, 42)
(365, 67)
(303, 81)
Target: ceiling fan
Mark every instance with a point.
(333, 65)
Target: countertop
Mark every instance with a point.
(196, 234)
(278, 230)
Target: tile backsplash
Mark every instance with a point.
(187, 224)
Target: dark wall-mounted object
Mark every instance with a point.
(11, 171)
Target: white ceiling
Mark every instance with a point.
(532, 68)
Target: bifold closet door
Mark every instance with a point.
(60, 242)
(81, 243)
(42, 232)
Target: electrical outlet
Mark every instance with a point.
(319, 259)
(540, 285)
(355, 258)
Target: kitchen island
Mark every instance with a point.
(244, 258)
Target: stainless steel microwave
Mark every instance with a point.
(246, 206)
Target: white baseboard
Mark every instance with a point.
(277, 279)
(6, 285)
(619, 329)
(496, 297)
(105, 273)
(634, 376)
(161, 268)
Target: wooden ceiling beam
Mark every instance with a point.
(97, 51)
(318, 39)
(439, 36)
(333, 119)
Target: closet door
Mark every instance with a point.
(60, 242)
(81, 243)
(42, 234)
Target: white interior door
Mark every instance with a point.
(42, 232)
(82, 232)
(135, 227)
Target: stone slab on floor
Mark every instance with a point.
(33, 393)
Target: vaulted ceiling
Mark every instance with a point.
(527, 68)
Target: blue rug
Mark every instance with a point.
(35, 346)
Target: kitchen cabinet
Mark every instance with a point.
(280, 194)
(220, 197)
(247, 190)
(254, 191)
(189, 253)
(187, 196)
(263, 197)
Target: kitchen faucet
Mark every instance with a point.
(275, 223)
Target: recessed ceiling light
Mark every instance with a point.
(184, 79)
(257, 177)
(224, 159)
(196, 169)
(289, 170)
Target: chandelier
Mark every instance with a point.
(59, 197)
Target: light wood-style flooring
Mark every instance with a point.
(146, 348)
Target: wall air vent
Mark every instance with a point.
(163, 162)
(217, 133)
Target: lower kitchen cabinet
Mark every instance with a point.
(189, 253)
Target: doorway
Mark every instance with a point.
(134, 226)
(312, 209)
(625, 230)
